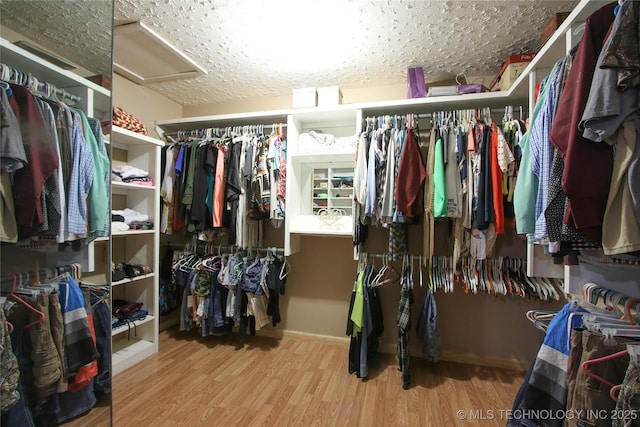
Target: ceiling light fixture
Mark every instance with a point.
(143, 56)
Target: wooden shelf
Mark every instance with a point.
(132, 279)
(125, 328)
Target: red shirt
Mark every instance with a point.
(587, 164)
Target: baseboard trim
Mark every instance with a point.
(448, 356)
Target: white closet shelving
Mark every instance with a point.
(344, 120)
(332, 189)
(95, 101)
(139, 340)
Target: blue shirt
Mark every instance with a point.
(541, 149)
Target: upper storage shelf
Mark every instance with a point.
(94, 100)
(560, 42)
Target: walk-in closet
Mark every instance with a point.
(331, 213)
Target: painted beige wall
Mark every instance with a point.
(144, 104)
(476, 328)
(349, 96)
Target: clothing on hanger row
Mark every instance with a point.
(54, 175)
(226, 290)
(365, 323)
(226, 180)
(589, 354)
(51, 319)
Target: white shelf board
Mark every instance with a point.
(131, 233)
(126, 353)
(125, 186)
(125, 328)
(312, 225)
(224, 120)
(328, 158)
(132, 279)
(27, 62)
(122, 138)
(555, 47)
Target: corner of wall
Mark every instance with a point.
(143, 103)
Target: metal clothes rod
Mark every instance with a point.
(389, 257)
(513, 110)
(41, 275)
(12, 75)
(217, 130)
(185, 246)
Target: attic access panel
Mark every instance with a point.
(143, 56)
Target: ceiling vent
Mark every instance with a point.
(143, 56)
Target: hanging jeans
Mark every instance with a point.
(102, 326)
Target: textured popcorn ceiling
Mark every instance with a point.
(76, 30)
(254, 48)
(266, 48)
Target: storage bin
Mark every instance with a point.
(329, 96)
(511, 69)
(304, 97)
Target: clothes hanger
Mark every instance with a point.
(27, 305)
(585, 365)
(627, 309)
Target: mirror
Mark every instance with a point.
(76, 390)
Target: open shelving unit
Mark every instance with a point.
(139, 340)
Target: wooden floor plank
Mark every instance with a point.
(229, 381)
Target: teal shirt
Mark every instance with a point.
(439, 191)
(98, 198)
(526, 191)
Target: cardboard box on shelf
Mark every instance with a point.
(511, 69)
(101, 80)
(552, 26)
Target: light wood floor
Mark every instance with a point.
(269, 382)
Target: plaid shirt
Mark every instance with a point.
(80, 181)
(404, 325)
(541, 149)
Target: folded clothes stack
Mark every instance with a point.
(129, 219)
(131, 175)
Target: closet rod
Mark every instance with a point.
(12, 75)
(42, 274)
(185, 246)
(430, 115)
(196, 132)
(389, 257)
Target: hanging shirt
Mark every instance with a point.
(621, 230)
(411, 176)
(389, 189)
(12, 156)
(428, 330)
(54, 198)
(82, 175)
(42, 162)
(439, 192)
(496, 182)
(370, 203)
(541, 150)
(99, 214)
(218, 188)
(166, 190)
(360, 171)
(526, 191)
(453, 186)
(587, 188)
